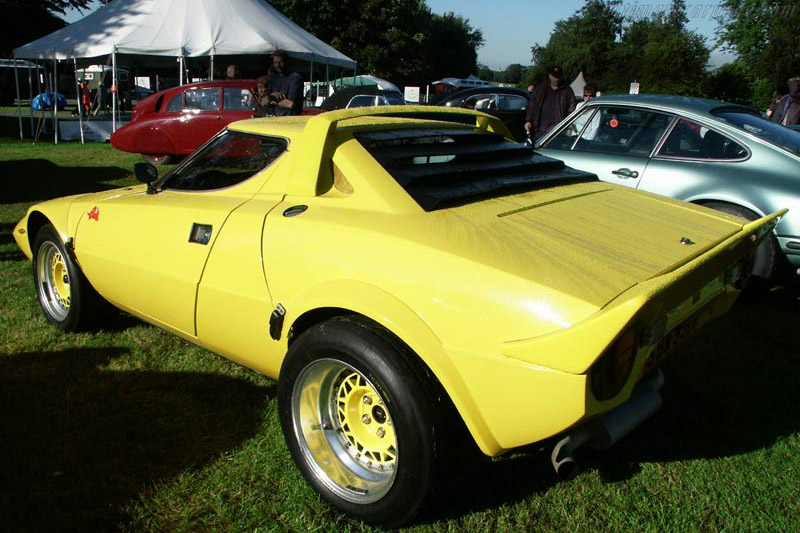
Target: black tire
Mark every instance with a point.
(158, 159)
(359, 420)
(65, 295)
(765, 258)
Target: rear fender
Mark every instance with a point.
(386, 310)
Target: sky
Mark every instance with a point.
(511, 27)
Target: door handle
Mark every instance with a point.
(625, 173)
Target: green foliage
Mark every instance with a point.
(584, 42)
(400, 40)
(656, 50)
(662, 55)
(764, 33)
(451, 48)
(52, 6)
(731, 82)
(485, 73)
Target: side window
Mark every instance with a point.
(202, 99)
(230, 159)
(176, 104)
(621, 130)
(363, 100)
(511, 102)
(689, 140)
(567, 137)
(480, 102)
(237, 98)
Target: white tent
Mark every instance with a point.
(577, 86)
(179, 28)
(183, 28)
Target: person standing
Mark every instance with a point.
(550, 103)
(285, 88)
(232, 72)
(589, 92)
(787, 112)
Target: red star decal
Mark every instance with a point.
(94, 213)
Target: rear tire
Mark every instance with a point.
(359, 420)
(67, 299)
(765, 258)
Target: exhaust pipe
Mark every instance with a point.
(602, 432)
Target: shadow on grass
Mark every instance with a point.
(731, 390)
(29, 180)
(78, 442)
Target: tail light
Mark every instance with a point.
(611, 370)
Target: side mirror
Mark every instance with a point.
(145, 172)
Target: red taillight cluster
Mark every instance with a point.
(611, 370)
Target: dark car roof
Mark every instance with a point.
(341, 97)
(459, 96)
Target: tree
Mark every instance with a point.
(764, 34)
(33, 19)
(661, 54)
(451, 47)
(655, 49)
(584, 42)
(400, 40)
(731, 82)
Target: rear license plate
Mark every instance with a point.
(671, 340)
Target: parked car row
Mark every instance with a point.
(174, 122)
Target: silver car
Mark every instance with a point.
(721, 155)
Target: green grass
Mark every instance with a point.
(134, 429)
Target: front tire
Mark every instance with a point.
(65, 295)
(359, 421)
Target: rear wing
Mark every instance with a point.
(316, 142)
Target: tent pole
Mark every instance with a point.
(55, 100)
(180, 67)
(114, 89)
(79, 98)
(19, 105)
(211, 67)
(30, 93)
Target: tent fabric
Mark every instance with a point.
(189, 28)
(577, 85)
(366, 80)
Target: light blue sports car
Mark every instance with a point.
(721, 155)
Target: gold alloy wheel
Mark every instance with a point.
(345, 431)
(52, 278)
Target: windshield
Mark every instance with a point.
(776, 134)
(227, 160)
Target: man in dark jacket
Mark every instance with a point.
(550, 103)
(285, 88)
(787, 112)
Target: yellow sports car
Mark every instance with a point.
(412, 278)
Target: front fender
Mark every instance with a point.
(59, 213)
(385, 309)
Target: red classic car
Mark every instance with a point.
(174, 122)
